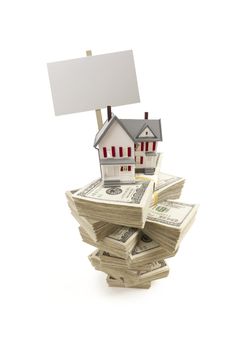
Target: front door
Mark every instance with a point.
(150, 161)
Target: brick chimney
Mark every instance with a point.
(109, 111)
(146, 115)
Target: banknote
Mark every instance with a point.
(114, 282)
(146, 251)
(132, 194)
(125, 205)
(122, 234)
(144, 244)
(166, 180)
(171, 213)
(131, 277)
(120, 242)
(168, 222)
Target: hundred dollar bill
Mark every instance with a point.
(146, 251)
(171, 213)
(125, 205)
(166, 180)
(96, 229)
(143, 256)
(132, 194)
(120, 242)
(160, 270)
(168, 187)
(168, 221)
(114, 282)
(129, 276)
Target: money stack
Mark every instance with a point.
(134, 227)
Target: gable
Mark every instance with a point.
(135, 128)
(115, 135)
(107, 126)
(146, 132)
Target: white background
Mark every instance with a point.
(51, 297)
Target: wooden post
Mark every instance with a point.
(97, 111)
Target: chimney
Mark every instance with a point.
(146, 115)
(109, 110)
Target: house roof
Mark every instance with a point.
(136, 126)
(133, 127)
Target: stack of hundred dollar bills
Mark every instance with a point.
(134, 227)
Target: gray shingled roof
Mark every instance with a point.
(103, 130)
(133, 127)
(136, 126)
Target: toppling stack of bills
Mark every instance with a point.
(134, 227)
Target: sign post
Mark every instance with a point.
(97, 111)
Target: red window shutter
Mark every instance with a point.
(113, 151)
(154, 145)
(129, 151)
(142, 146)
(121, 168)
(141, 160)
(105, 152)
(129, 167)
(121, 151)
(147, 146)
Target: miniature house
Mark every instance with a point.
(126, 147)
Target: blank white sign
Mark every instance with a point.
(93, 82)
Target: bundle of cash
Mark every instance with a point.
(168, 186)
(121, 241)
(96, 229)
(119, 282)
(131, 277)
(168, 222)
(126, 205)
(128, 247)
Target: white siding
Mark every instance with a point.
(116, 136)
(138, 156)
(113, 172)
(139, 153)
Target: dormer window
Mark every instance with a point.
(146, 132)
